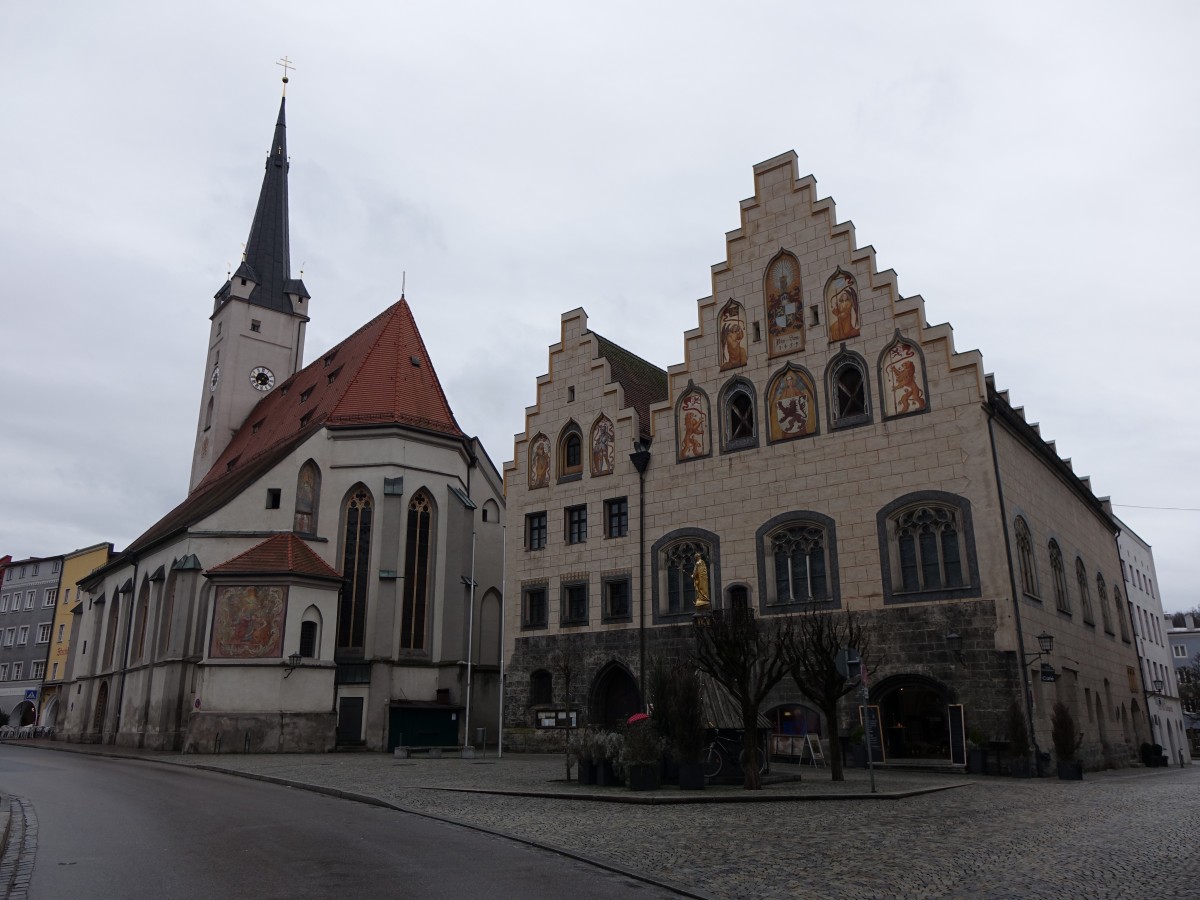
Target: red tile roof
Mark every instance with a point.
(278, 555)
(370, 378)
(381, 374)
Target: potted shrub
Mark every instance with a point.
(580, 744)
(1066, 743)
(687, 728)
(1018, 742)
(641, 753)
(606, 749)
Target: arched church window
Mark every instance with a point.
(356, 560)
(1121, 614)
(1025, 557)
(418, 540)
(570, 453)
(1061, 599)
(800, 563)
(1085, 595)
(681, 559)
(308, 498)
(110, 634)
(1102, 599)
(929, 551)
(310, 634)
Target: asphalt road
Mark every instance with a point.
(110, 828)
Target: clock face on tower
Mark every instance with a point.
(262, 378)
(216, 376)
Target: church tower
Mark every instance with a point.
(257, 336)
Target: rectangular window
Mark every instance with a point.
(576, 524)
(67, 597)
(43, 636)
(1180, 651)
(10, 635)
(4, 603)
(575, 603)
(39, 669)
(22, 635)
(3, 671)
(18, 668)
(533, 607)
(616, 517)
(616, 599)
(54, 673)
(255, 325)
(50, 597)
(273, 497)
(54, 569)
(61, 630)
(29, 599)
(535, 531)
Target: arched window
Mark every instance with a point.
(110, 633)
(356, 560)
(570, 453)
(1121, 614)
(675, 558)
(739, 598)
(929, 551)
(541, 688)
(208, 414)
(487, 652)
(140, 620)
(1025, 559)
(797, 562)
(308, 498)
(418, 541)
(739, 429)
(1102, 599)
(168, 611)
(1085, 595)
(1061, 599)
(310, 634)
(848, 390)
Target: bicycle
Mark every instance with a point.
(714, 760)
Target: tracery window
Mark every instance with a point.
(799, 560)
(1102, 599)
(1062, 599)
(1085, 595)
(930, 549)
(418, 541)
(356, 558)
(1025, 558)
(680, 567)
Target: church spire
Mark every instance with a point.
(266, 262)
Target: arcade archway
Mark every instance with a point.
(614, 696)
(914, 715)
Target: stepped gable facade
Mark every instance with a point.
(821, 446)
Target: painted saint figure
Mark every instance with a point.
(732, 334)
(693, 417)
(604, 449)
(539, 462)
(843, 306)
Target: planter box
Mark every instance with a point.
(1070, 771)
(977, 761)
(606, 775)
(643, 777)
(587, 772)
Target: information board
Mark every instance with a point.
(958, 735)
(874, 732)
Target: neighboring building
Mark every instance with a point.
(76, 566)
(1183, 634)
(1154, 653)
(335, 571)
(821, 446)
(28, 597)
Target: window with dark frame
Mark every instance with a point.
(1025, 557)
(570, 454)
(576, 524)
(533, 607)
(535, 531)
(308, 639)
(616, 598)
(741, 417)
(800, 564)
(1062, 599)
(273, 497)
(850, 392)
(575, 603)
(929, 545)
(680, 564)
(1085, 595)
(616, 515)
(541, 688)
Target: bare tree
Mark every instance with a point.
(747, 658)
(812, 658)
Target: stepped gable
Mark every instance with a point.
(282, 554)
(642, 382)
(380, 375)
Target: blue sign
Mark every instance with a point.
(31, 693)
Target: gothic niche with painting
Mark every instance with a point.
(904, 388)
(692, 424)
(603, 447)
(841, 299)
(539, 461)
(785, 305)
(791, 404)
(731, 332)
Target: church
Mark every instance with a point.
(334, 576)
(821, 446)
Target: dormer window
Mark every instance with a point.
(305, 395)
(334, 374)
(329, 358)
(257, 426)
(305, 419)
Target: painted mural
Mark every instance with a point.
(904, 379)
(539, 462)
(248, 622)
(691, 424)
(841, 298)
(604, 446)
(792, 404)
(731, 331)
(785, 306)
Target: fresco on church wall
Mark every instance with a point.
(248, 622)
(904, 379)
(539, 461)
(841, 297)
(792, 404)
(604, 446)
(691, 425)
(785, 306)
(731, 331)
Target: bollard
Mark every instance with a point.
(217, 743)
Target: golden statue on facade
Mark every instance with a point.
(700, 582)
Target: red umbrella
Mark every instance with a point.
(637, 717)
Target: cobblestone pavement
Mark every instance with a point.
(1118, 834)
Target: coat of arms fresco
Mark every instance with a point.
(785, 306)
(791, 400)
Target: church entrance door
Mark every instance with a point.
(614, 697)
(349, 723)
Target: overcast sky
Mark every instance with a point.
(1030, 169)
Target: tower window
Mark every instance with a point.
(273, 496)
(255, 325)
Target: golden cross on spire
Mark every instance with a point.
(287, 66)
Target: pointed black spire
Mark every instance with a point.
(267, 260)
